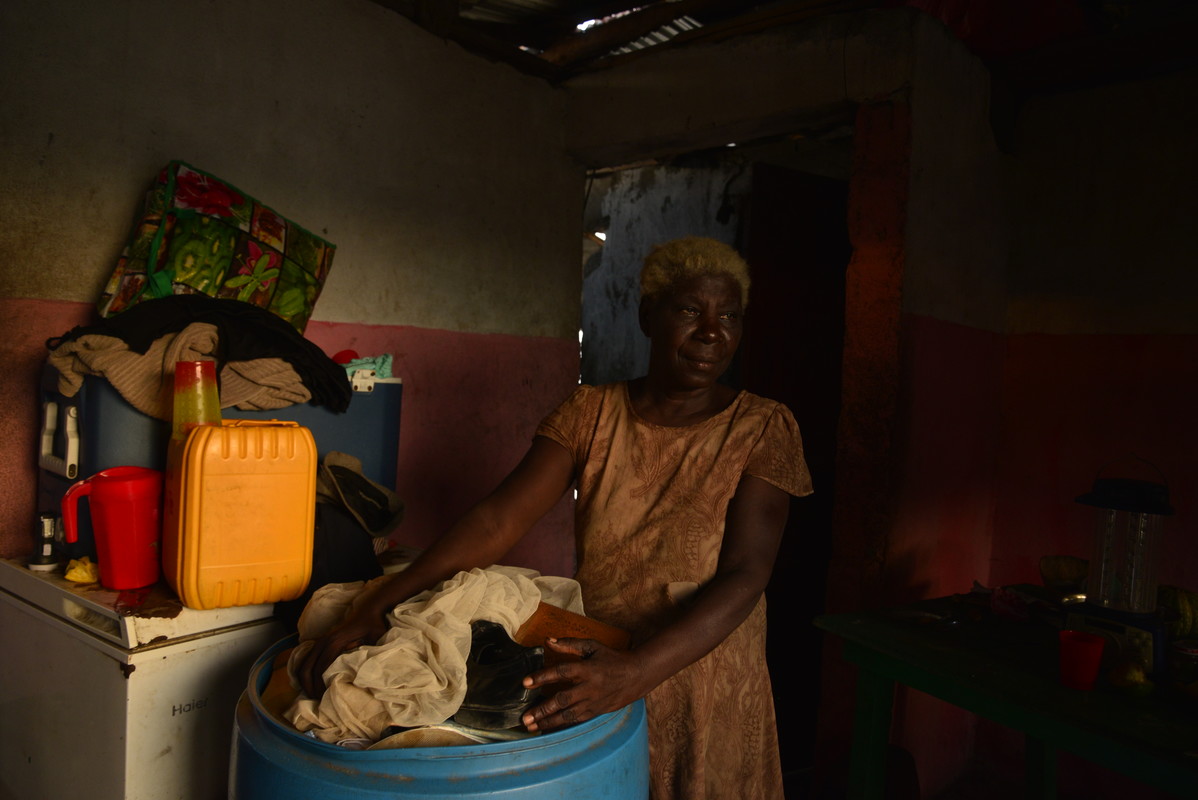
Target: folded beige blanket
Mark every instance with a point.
(416, 674)
(146, 380)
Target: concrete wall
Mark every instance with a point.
(1100, 358)
(1103, 205)
(1048, 331)
(695, 97)
(957, 227)
(416, 159)
(954, 303)
(441, 177)
(1102, 314)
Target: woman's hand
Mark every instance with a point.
(361, 627)
(604, 680)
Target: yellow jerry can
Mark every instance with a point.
(238, 513)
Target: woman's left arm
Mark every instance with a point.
(607, 680)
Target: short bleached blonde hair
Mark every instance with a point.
(692, 257)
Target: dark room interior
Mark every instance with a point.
(969, 223)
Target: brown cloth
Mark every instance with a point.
(146, 380)
(649, 522)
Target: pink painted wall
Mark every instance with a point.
(994, 436)
(1072, 404)
(944, 517)
(24, 327)
(997, 435)
(470, 406)
(961, 450)
(865, 458)
(865, 448)
(471, 403)
(943, 514)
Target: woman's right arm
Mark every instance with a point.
(479, 539)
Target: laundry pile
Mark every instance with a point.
(416, 674)
(262, 362)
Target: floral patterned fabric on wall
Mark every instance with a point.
(200, 235)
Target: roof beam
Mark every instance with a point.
(441, 18)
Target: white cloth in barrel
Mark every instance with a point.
(416, 673)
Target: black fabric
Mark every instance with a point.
(245, 332)
(495, 694)
(363, 499)
(341, 552)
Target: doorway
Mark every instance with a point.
(783, 205)
(796, 239)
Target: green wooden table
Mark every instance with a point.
(1007, 672)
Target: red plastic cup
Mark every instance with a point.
(1081, 654)
(126, 511)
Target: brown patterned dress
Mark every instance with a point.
(649, 522)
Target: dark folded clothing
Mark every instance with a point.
(245, 332)
(341, 553)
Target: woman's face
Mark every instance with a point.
(694, 329)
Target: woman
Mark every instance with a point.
(683, 488)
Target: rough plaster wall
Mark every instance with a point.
(1104, 206)
(953, 299)
(440, 176)
(956, 238)
(646, 207)
(471, 404)
(695, 97)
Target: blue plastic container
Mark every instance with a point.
(112, 433)
(607, 757)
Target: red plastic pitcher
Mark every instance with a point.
(126, 514)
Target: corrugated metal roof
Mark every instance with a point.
(544, 37)
(555, 38)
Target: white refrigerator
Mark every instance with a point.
(109, 695)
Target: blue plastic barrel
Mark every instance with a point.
(606, 757)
